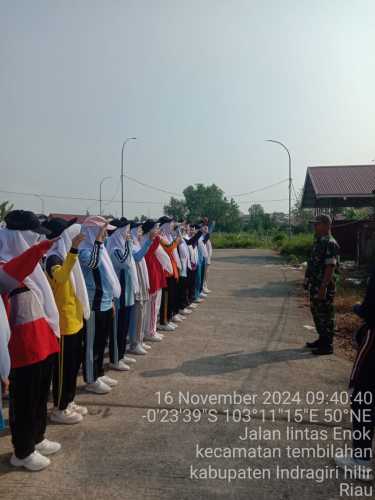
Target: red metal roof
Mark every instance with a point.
(343, 181)
(80, 218)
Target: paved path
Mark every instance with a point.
(247, 338)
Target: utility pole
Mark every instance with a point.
(122, 172)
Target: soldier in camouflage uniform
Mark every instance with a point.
(320, 281)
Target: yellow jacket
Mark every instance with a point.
(70, 309)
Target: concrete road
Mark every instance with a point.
(246, 339)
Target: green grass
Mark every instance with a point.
(241, 240)
(296, 248)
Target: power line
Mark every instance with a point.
(262, 201)
(151, 187)
(260, 189)
(80, 198)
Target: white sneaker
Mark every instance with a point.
(153, 338)
(193, 306)
(120, 366)
(82, 410)
(128, 359)
(186, 311)
(167, 328)
(204, 295)
(173, 324)
(206, 290)
(47, 447)
(147, 346)
(360, 469)
(34, 462)
(179, 318)
(111, 382)
(67, 416)
(98, 387)
(138, 350)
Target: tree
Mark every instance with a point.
(176, 209)
(5, 208)
(206, 201)
(301, 216)
(258, 220)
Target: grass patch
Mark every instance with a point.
(296, 248)
(241, 240)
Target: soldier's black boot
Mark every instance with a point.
(323, 350)
(313, 345)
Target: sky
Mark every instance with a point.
(200, 83)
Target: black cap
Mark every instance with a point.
(148, 225)
(322, 219)
(57, 226)
(165, 220)
(134, 224)
(24, 220)
(120, 222)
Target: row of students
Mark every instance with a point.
(116, 284)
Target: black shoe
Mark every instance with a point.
(313, 345)
(323, 351)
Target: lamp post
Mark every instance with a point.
(290, 182)
(42, 204)
(122, 172)
(100, 193)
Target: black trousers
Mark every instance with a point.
(28, 396)
(172, 307)
(183, 292)
(117, 341)
(164, 307)
(191, 285)
(66, 369)
(363, 397)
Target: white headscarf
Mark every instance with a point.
(118, 241)
(142, 266)
(166, 233)
(91, 233)
(61, 249)
(4, 341)
(12, 244)
(163, 258)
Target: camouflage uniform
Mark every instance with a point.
(324, 252)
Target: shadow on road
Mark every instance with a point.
(255, 260)
(272, 289)
(229, 362)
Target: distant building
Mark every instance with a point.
(336, 187)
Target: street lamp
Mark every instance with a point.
(100, 193)
(42, 204)
(290, 181)
(122, 172)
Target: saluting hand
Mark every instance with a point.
(77, 240)
(102, 233)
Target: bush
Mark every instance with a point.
(297, 247)
(241, 240)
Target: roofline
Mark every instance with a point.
(343, 197)
(342, 166)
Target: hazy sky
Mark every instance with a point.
(201, 83)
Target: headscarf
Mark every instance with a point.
(12, 244)
(162, 257)
(118, 241)
(166, 232)
(61, 249)
(4, 341)
(141, 265)
(90, 229)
